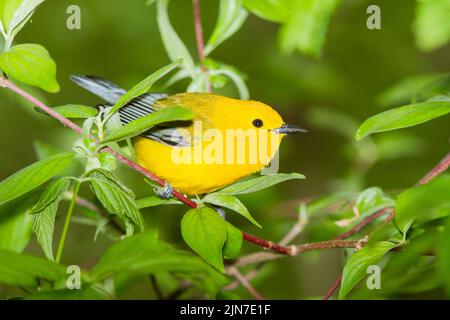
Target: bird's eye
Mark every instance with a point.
(258, 123)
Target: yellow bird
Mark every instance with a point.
(226, 140)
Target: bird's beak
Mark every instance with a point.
(289, 129)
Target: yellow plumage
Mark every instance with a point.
(226, 140)
(216, 112)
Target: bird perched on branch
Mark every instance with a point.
(226, 140)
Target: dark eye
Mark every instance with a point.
(258, 123)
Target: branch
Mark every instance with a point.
(241, 279)
(259, 257)
(364, 222)
(437, 170)
(200, 41)
(441, 167)
(333, 288)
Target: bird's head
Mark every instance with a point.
(253, 118)
(253, 115)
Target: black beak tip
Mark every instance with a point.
(290, 129)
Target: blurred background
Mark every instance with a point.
(330, 96)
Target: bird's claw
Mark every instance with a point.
(221, 212)
(164, 192)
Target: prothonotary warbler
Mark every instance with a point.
(226, 140)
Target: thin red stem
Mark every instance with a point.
(267, 244)
(333, 288)
(363, 223)
(198, 30)
(200, 41)
(8, 84)
(437, 170)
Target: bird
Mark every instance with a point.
(198, 156)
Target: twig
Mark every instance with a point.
(184, 286)
(364, 222)
(295, 250)
(333, 288)
(248, 276)
(268, 244)
(240, 278)
(4, 82)
(441, 167)
(437, 170)
(297, 228)
(200, 41)
(156, 288)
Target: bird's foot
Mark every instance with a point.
(164, 192)
(221, 212)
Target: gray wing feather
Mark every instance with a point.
(133, 110)
(106, 90)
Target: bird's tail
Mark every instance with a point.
(100, 87)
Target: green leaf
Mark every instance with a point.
(15, 224)
(306, 29)
(107, 161)
(423, 203)
(140, 125)
(110, 177)
(258, 183)
(272, 10)
(356, 267)
(403, 117)
(231, 17)
(116, 201)
(44, 213)
(7, 10)
(154, 201)
(233, 244)
(146, 253)
(43, 227)
(432, 25)
(205, 232)
(25, 270)
(76, 111)
(372, 200)
(33, 176)
(235, 76)
(30, 64)
(230, 202)
(175, 48)
(143, 86)
(53, 193)
(24, 9)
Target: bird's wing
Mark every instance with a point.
(167, 133)
(139, 107)
(106, 90)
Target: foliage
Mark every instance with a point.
(32, 198)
